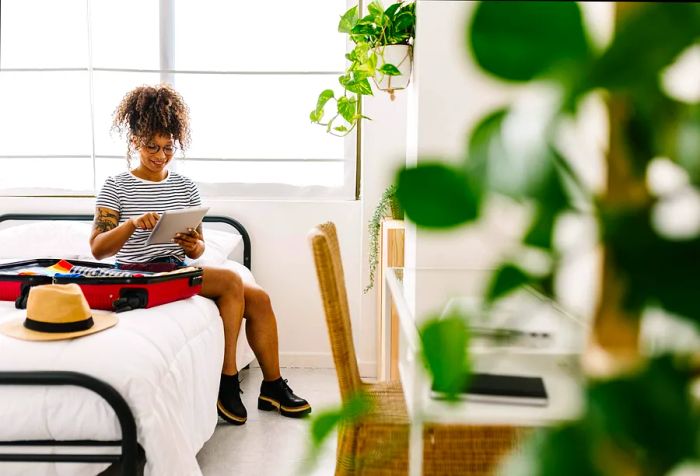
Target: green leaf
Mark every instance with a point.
(649, 415)
(364, 29)
(435, 195)
(375, 9)
(348, 20)
(359, 87)
(541, 229)
(507, 278)
(520, 174)
(551, 200)
(372, 61)
(323, 424)
(521, 40)
(444, 352)
(391, 11)
(484, 142)
(323, 98)
(655, 270)
(347, 107)
(687, 143)
(340, 128)
(565, 450)
(316, 116)
(405, 22)
(389, 69)
(665, 29)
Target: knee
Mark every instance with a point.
(258, 298)
(233, 284)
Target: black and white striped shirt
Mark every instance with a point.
(132, 197)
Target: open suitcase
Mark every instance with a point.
(103, 292)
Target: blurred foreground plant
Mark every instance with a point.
(640, 417)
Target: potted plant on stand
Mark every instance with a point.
(383, 53)
(388, 207)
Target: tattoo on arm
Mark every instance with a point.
(106, 220)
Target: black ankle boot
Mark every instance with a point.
(229, 405)
(277, 395)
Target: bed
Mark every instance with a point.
(149, 384)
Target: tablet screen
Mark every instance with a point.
(176, 221)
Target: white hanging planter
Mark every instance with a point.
(400, 56)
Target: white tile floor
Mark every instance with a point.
(269, 444)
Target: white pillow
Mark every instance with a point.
(71, 240)
(218, 246)
(46, 239)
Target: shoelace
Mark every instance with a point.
(284, 385)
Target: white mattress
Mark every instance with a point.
(165, 361)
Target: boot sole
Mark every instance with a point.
(269, 404)
(228, 416)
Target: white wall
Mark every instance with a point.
(383, 153)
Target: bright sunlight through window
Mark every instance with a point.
(250, 72)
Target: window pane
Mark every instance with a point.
(45, 113)
(269, 35)
(248, 117)
(125, 34)
(328, 174)
(105, 167)
(48, 176)
(43, 34)
(109, 89)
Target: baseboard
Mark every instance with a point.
(319, 360)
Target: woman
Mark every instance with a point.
(155, 121)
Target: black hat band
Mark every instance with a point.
(56, 327)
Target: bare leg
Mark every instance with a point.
(226, 289)
(261, 330)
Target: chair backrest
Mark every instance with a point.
(329, 268)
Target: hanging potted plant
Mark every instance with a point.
(383, 53)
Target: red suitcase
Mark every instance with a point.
(104, 292)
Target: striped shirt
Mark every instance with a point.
(132, 197)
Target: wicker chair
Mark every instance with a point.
(378, 443)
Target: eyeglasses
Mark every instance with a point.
(154, 149)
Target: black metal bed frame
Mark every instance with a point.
(128, 460)
(128, 457)
(208, 219)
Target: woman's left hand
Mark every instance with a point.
(190, 242)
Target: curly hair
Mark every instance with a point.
(149, 110)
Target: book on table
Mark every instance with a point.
(496, 388)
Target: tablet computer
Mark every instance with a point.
(176, 221)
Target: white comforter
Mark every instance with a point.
(165, 361)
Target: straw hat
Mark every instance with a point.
(56, 312)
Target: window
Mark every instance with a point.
(250, 72)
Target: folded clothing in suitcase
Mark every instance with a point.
(103, 286)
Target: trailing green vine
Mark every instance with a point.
(387, 206)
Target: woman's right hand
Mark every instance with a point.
(146, 221)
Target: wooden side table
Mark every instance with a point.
(391, 254)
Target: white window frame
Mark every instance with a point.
(166, 16)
